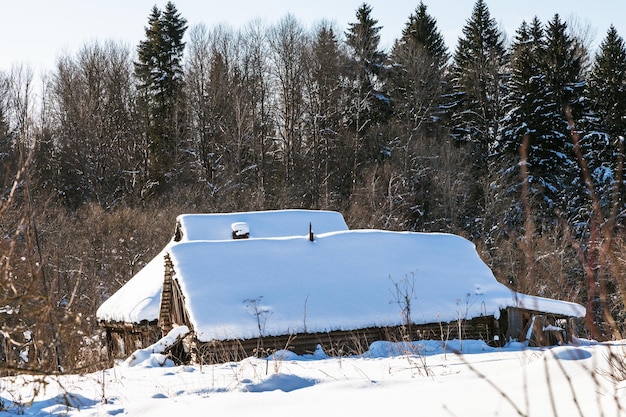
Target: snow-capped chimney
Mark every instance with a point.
(240, 230)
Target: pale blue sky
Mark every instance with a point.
(35, 32)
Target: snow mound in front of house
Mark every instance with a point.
(154, 355)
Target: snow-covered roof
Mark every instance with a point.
(342, 280)
(139, 299)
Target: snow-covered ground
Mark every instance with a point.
(419, 379)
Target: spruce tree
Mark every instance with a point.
(477, 75)
(416, 84)
(602, 145)
(369, 105)
(554, 161)
(421, 32)
(160, 74)
(477, 79)
(563, 66)
(415, 81)
(331, 167)
(526, 87)
(607, 85)
(363, 39)
(525, 106)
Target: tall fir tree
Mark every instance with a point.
(369, 105)
(523, 119)
(421, 32)
(607, 85)
(363, 39)
(159, 71)
(602, 145)
(477, 79)
(526, 89)
(418, 60)
(555, 166)
(416, 85)
(563, 66)
(330, 170)
(415, 81)
(477, 76)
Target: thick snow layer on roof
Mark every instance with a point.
(261, 224)
(139, 299)
(343, 280)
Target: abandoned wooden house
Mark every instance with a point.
(315, 284)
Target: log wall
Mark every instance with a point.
(342, 342)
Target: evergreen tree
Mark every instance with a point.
(477, 79)
(369, 105)
(363, 38)
(422, 161)
(526, 88)
(555, 166)
(563, 66)
(330, 167)
(160, 74)
(421, 32)
(525, 107)
(477, 76)
(602, 145)
(418, 60)
(607, 85)
(545, 86)
(415, 81)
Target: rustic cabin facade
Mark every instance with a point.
(536, 327)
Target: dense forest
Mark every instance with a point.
(515, 144)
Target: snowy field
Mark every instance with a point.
(421, 379)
